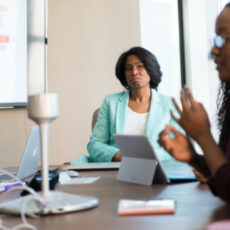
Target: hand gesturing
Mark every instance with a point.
(193, 117)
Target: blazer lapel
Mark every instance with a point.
(153, 116)
(121, 112)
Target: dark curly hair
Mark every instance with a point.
(223, 114)
(147, 58)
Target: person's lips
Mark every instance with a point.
(135, 79)
(219, 65)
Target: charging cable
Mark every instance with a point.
(11, 175)
(38, 199)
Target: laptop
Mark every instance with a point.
(30, 159)
(140, 163)
(93, 166)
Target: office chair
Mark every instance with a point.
(83, 158)
(94, 118)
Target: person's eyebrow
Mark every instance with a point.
(136, 63)
(222, 29)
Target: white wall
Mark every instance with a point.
(86, 38)
(199, 25)
(160, 35)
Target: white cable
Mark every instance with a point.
(25, 223)
(34, 198)
(1, 225)
(2, 172)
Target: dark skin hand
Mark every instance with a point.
(194, 120)
(193, 117)
(178, 146)
(117, 157)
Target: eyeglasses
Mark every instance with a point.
(219, 41)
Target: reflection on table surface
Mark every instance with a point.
(196, 207)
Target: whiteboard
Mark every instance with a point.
(13, 52)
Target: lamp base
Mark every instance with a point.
(59, 202)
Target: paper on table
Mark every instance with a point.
(64, 178)
(83, 180)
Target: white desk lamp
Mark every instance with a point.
(43, 109)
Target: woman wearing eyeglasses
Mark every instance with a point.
(140, 109)
(215, 164)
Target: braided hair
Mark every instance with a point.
(223, 114)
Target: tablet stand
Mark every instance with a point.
(137, 170)
(140, 171)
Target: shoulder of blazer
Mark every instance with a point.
(117, 96)
(163, 100)
(160, 97)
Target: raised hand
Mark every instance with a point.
(178, 146)
(193, 117)
(200, 177)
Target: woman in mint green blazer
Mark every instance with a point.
(138, 110)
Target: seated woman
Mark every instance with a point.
(138, 110)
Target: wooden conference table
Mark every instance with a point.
(196, 207)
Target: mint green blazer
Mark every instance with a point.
(112, 118)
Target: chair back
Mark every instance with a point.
(94, 118)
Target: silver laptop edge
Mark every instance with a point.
(31, 156)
